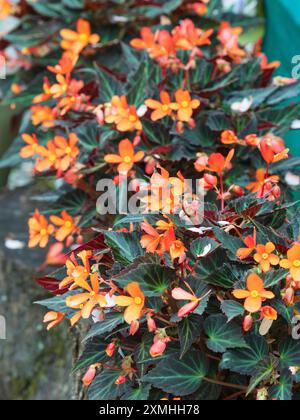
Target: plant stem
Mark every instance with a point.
(222, 193)
(226, 384)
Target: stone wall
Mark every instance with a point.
(34, 364)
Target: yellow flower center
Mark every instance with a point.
(52, 158)
(83, 37)
(165, 108)
(93, 293)
(44, 232)
(127, 159)
(265, 256)
(137, 300)
(168, 201)
(254, 294)
(68, 150)
(81, 306)
(132, 118)
(185, 104)
(296, 263)
(68, 224)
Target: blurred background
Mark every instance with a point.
(34, 364)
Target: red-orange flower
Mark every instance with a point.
(273, 149)
(186, 36)
(267, 312)
(134, 303)
(39, 230)
(255, 294)
(126, 158)
(229, 137)
(215, 163)
(66, 224)
(229, 38)
(261, 180)
(184, 105)
(77, 41)
(146, 42)
(66, 63)
(161, 109)
(250, 243)
(265, 256)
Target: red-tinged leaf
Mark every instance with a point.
(51, 284)
(95, 244)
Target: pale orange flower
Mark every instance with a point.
(76, 270)
(39, 230)
(126, 158)
(6, 8)
(265, 256)
(255, 294)
(134, 303)
(177, 250)
(261, 180)
(68, 151)
(122, 114)
(152, 241)
(77, 41)
(184, 105)
(146, 42)
(88, 300)
(66, 224)
(60, 88)
(229, 38)
(54, 318)
(46, 95)
(32, 147)
(161, 109)
(42, 115)
(293, 262)
(50, 157)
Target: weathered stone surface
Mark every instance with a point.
(34, 364)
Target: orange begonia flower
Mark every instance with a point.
(49, 157)
(126, 158)
(265, 257)
(6, 8)
(270, 313)
(152, 241)
(215, 163)
(250, 243)
(293, 262)
(32, 147)
(146, 42)
(54, 318)
(256, 187)
(162, 109)
(66, 224)
(187, 37)
(77, 271)
(184, 105)
(134, 303)
(119, 112)
(229, 137)
(255, 295)
(66, 63)
(77, 41)
(39, 230)
(42, 115)
(181, 294)
(60, 88)
(177, 250)
(67, 149)
(86, 301)
(271, 153)
(229, 38)
(46, 93)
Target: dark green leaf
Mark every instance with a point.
(243, 361)
(232, 309)
(126, 246)
(104, 387)
(111, 321)
(179, 377)
(222, 335)
(189, 330)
